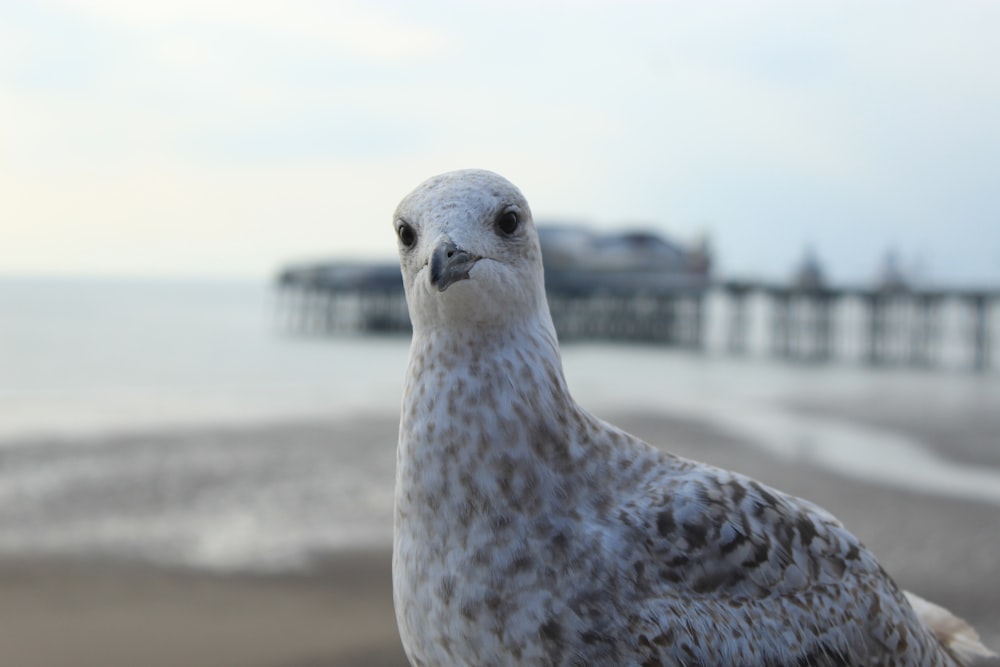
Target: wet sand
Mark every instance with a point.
(964, 429)
(58, 612)
(90, 614)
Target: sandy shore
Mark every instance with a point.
(81, 613)
(103, 615)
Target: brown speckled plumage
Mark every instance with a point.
(529, 532)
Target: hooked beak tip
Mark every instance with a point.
(450, 264)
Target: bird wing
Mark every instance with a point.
(761, 577)
(715, 531)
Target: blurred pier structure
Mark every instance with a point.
(640, 288)
(874, 325)
(338, 297)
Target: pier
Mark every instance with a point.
(879, 327)
(890, 326)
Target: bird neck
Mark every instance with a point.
(495, 391)
(480, 433)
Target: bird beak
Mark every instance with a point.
(449, 264)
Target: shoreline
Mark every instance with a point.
(966, 433)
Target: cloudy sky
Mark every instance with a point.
(211, 138)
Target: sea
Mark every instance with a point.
(179, 422)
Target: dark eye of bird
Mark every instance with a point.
(407, 235)
(508, 222)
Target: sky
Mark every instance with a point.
(223, 139)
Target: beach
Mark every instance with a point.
(83, 614)
(336, 609)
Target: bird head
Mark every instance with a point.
(469, 253)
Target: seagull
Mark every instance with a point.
(529, 532)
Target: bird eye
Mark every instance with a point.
(407, 235)
(508, 222)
